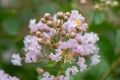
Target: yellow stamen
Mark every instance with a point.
(78, 22)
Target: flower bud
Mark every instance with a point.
(47, 16)
(41, 41)
(56, 78)
(60, 15)
(38, 34)
(67, 14)
(108, 2)
(48, 41)
(63, 33)
(78, 28)
(72, 34)
(96, 6)
(115, 3)
(50, 23)
(82, 1)
(43, 20)
(40, 70)
(65, 18)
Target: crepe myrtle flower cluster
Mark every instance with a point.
(61, 38)
(5, 76)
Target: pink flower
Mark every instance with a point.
(95, 59)
(61, 77)
(41, 26)
(89, 38)
(69, 26)
(32, 48)
(49, 34)
(81, 63)
(76, 16)
(32, 25)
(57, 56)
(73, 69)
(5, 76)
(16, 59)
(47, 76)
(70, 44)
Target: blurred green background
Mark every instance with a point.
(102, 17)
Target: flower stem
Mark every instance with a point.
(114, 66)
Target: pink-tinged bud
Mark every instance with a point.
(67, 14)
(83, 1)
(78, 28)
(108, 2)
(63, 33)
(48, 41)
(56, 78)
(38, 34)
(47, 16)
(60, 15)
(65, 18)
(41, 41)
(50, 23)
(115, 3)
(43, 20)
(96, 6)
(72, 34)
(40, 71)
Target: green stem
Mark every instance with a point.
(114, 66)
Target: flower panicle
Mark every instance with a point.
(61, 38)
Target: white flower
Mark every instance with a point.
(5, 76)
(87, 38)
(47, 76)
(73, 69)
(32, 48)
(32, 25)
(16, 59)
(81, 63)
(57, 56)
(95, 59)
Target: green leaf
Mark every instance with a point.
(51, 64)
(118, 38)
(99, 18)
(11, 26)
(107, 49)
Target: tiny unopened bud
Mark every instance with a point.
(47, 16)
(50, 23)
(60, 15)
(63, 33)
(78, 28)
(96, 6)
(115, 3)
(56, 78)
(40, 41)
(48, 41)
(108, 2)
(72, 34)
(40, 70)
(82, 1)
(38, 34)
(67, 14)
(43, 20)
(65, 18)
